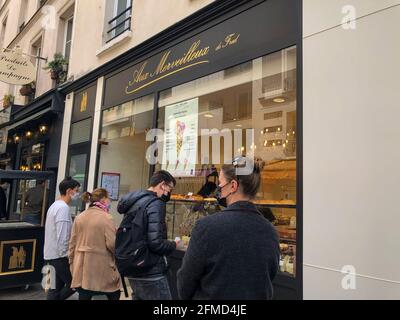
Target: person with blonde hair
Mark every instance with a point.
(91, 249)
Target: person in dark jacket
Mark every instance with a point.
(3, 200)
(233, 254)
(153, 284)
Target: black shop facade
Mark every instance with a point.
(231, 68)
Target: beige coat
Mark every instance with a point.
(91, 252)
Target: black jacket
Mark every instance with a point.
(156, 231)
(232, 255)
(3, 203)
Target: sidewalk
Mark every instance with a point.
(36, 292)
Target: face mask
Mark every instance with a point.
(221, 201)
(75, 196)
(166, 197)
(109, 207)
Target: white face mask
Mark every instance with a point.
(75, 196)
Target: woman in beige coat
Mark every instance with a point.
(91, 250)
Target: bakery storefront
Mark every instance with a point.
(224, 82)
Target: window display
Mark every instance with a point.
(249, 109)
(207, 122)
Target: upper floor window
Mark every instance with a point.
(3, 32)
(120, 12)
(41, 3)
(69, 23)
(22, 14)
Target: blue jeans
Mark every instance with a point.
(32, 218)
(151, 290)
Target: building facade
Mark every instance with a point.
(312, 83)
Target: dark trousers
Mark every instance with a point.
(151, 290)
(110, 295)
(63, 280)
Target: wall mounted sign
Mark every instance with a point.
(180, 143)
(84, 103)
(17, 256)
(110, 182)
(16, 69)
(241, 38)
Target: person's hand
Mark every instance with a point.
(179, 244)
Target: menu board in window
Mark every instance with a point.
(111, 182)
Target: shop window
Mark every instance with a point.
(32, 158)
(81, 131)
(124, 145)
(256, 99)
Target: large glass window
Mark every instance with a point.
(250, 110)
(124, 146)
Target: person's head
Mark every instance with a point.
(234, 187)
(40, 183)
(162, 183)
(69, 189)
(4, 184)
(99, 195)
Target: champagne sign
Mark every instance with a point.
(16, 69)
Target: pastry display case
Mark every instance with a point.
(184, 211)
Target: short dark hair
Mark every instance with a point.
(161, 176)
(68, 183)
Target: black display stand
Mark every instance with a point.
(21, 254)
(21, 243)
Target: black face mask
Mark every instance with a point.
(166, 197)
(221, 201)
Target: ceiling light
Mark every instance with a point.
(279, 100)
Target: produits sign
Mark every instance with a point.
(180, 143)
(16, 69)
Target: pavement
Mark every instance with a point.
(36, 292)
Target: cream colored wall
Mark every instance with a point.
(351, 150)
(50, 41)
(149, 17)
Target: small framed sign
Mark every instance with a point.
(110, 182)
(17, 256)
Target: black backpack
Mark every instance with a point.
(132, 255)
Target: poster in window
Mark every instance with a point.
(110, 182)
(181, 134)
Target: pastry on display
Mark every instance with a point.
(186, 240)
(274, 202)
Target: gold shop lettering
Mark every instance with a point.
(167, 67)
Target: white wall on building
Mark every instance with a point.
(351, 150)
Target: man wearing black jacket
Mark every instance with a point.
(153, 284)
